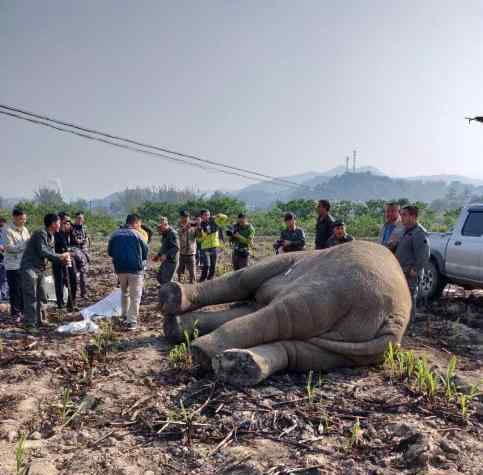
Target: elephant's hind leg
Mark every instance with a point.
(175, 326)
(247, 367)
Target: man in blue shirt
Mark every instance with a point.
(129, 252)
(392, 229)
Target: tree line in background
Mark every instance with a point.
(363, 219)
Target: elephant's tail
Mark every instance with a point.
(374, 347)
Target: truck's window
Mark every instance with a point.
(474, 224)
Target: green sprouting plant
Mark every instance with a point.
(356, 434)
(390, 358)
(410, 364)
(465, 399)
(22, 466)
(105, 339)
(66, 407)
(431, 383)
(421, 374)
(309, 387)
(180, 356)
(448, 379)
(87, 362)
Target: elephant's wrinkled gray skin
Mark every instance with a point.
(315, 310)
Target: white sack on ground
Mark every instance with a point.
(109, 306)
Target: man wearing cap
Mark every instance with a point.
(168, 253)
(187, 233)
(325, 225)
(412, 251)
(291, 239)
(340, 235)
(241, 237)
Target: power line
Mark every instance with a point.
(145, 145)
(131, 148)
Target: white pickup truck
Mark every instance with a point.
(456, 256)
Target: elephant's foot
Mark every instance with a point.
(173, 329)
(240, 367)
(173, 299)
(201, 358)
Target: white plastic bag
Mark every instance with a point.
(108, 307)
(77, 328)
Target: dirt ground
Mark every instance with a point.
(137, 414)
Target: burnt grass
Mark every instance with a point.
(132, 412)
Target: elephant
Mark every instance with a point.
(300, 311)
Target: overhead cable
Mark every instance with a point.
(132, 148)
(45, 118)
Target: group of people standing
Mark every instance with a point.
(196, 243)
(25, 258)
(401, 233)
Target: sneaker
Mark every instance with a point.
(130, 326)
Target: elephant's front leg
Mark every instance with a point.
(175, 326)
(251, 366)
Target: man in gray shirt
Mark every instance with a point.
(412, 251)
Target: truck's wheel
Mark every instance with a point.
(433, 283)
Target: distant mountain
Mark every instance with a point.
(366, 184)
(447, 179)
(265, 194)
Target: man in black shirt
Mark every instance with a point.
(168, 253)
(325, 225)
(291, 239)
(39, 249)
(65, 276)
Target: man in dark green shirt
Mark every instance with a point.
(39, 250)
(168, 253)
(241, 237)
(291, 239)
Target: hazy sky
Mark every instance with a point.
(281, 87)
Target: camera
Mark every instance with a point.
(278, 244)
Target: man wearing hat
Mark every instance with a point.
(187, 233)
(340, 235)
(291, 239)
(241, 237)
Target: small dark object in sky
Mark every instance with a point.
(478, 119)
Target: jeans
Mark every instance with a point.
(3, 282)
(131, 293)
(14, 278)
(208, 261)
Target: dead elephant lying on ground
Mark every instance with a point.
(305, 310)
